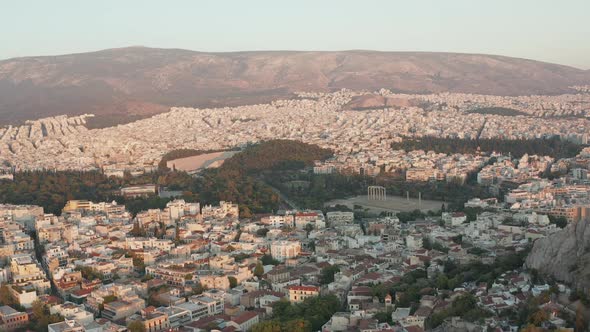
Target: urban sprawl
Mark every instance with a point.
(196, 267)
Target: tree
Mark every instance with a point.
(90, 273)
(6, 297)
(532, 328)
(137, 230)
(308, 228)
(554, 147)
(198, 288)
(42, 316)
(383, 316)
(310, 315)
(464, 306)
(297, 325)
(442, 281)
(245, 213)
(38, 309)
(327, 274)
(136, 326)
(560, 221)
(440, 247)
(259, 269)
(108, 299)
(464, 303)
(262, 232)
(426, 243)
(267, 326)
(581, 324)
(177, 234)
(538, 317)
(233, 282)
(268, 260)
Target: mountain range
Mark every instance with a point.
(123, 84)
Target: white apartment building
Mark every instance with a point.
(283, 250)
(276, 221)
(414, 242)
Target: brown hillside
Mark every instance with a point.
(138, 81)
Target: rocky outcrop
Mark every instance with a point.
(565, 255)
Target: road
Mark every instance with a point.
(284, 198)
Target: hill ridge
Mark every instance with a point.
(140, 81)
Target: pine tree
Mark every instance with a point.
(259, 270)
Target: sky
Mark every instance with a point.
(546, 30)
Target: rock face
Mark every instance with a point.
(565, 255)
(141, 81)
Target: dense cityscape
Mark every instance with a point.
(64, 143)
(295, 166)
(366, 266)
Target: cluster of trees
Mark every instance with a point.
(268, 260)
(41, 317)
(228, 184)
(90, 273)
(478, 272)
(236, 180)
(136, 326)
(154, 295)
(529, 314)
(276, 155)
(560, 221)
(309, 315)
(415, 284)
(52, 189)
(320, 189)
(554, 147)
(142, 204)
(404, 217)
(6, 298)
(428, 245)
(244, 179)
(464, 306)
(240, 178)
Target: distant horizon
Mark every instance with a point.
(288, 50)
(543, 30)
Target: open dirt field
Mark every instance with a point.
(194, 163)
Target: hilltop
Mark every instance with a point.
(124, 84)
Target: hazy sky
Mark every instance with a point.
(548, 30)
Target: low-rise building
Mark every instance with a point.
(10, 319)
(300, 293)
